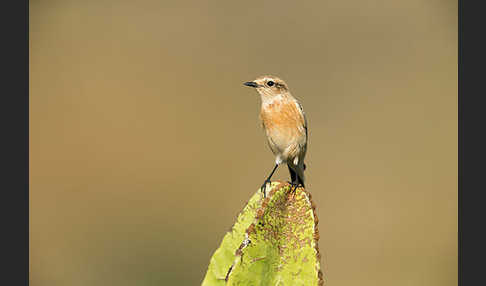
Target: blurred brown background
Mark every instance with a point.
(144, 144)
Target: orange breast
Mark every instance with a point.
(282, 119)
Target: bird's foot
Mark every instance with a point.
(293, 186)
(264, 187)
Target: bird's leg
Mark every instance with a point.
(263, 187)
(294, 183)
(293, 175)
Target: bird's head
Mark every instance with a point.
(268, 86)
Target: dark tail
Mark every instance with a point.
(295, 177)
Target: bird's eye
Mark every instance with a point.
(270, 83)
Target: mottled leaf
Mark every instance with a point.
(273, 242)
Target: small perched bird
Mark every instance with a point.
(285, 126)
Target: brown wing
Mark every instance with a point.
(304, 118)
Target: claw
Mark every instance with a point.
(264, 187)
(293, 187)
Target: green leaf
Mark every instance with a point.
(273, 242)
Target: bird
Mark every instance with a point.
(285, 125)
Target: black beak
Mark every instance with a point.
(251, 83)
